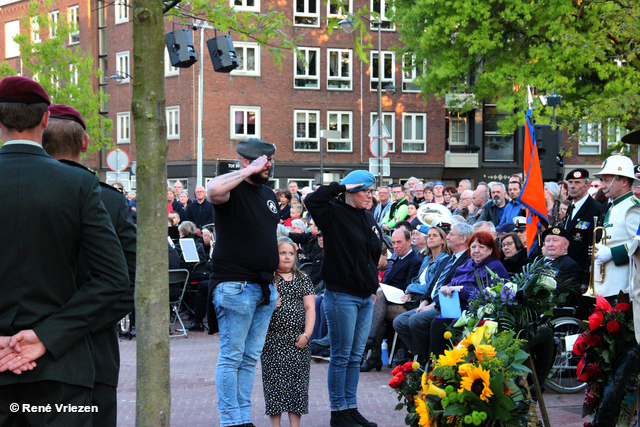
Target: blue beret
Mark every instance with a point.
(358, 177)
(507, 227)
(423, 228)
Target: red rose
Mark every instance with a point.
(408, 366)
(594, 340)
(397, 370)
(622, 306)
(595, 320)
(580, 346)
(613, 327)
(397, 381)
(590, 372)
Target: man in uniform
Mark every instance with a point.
(45, 316)
(621, 222)
(579, 224)
(556, 245)
(246, 257)
(65, 140)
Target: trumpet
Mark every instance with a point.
(591, 291)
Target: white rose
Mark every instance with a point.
(548, 282)
(512, 286)
(492, 327)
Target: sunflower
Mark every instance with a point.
(477, 381)
(452, 357)
(484, 350)
(422, 411)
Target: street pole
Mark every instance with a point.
(200, 141)
(322, 139)
(380, 71)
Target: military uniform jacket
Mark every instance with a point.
(621, 223)
(54, 213)
(104, 334)
(580, 230)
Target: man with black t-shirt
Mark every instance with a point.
(246, 217)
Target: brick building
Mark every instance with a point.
(289, 105)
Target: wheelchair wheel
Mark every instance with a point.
(562, 377)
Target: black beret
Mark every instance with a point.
(253, 148)
(22, 90)
(636, 169)
(577, 174)
(632, 137)
(64, 112)
(556, 231)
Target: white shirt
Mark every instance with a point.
(577, 205)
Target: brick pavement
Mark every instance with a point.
(193, 362)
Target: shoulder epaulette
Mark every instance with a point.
(78, 165)
(635, 200)
(110, 187)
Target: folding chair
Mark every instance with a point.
(198, 274)
(179, 278)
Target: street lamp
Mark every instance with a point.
(347, 26)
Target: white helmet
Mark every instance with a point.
(618, 165)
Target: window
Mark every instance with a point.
(339, 69)
(410, 73)
(11, 48)
(248, 59)
(457, 130)
(497, 147)
(123, 128)
(414, 132)
(74, 21)
(248, 5)
(173, 122)
(340, 121)
(74, 74)
(389, 76)
(169, 70)
(122, 11)
(335, 10)
(381, 7)
(35, 30)
(389, 121)
(54, 17)
(245, 122)
(307, 69)
(306, 130)
(616, 133)
(589, 139)
(122, 66)
(306, 13)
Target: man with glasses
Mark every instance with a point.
(465, 206)
(418, 194)
(244, 294)
(382, 208)
(200, 212)
(398, 211)
(621, 219)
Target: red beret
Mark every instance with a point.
(23, 90)
(59, 111)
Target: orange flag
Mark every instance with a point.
(532, 195)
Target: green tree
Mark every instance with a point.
(587, 50)
(66, 72)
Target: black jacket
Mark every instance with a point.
(580, 230)
(490, 213)
(352, 242)
(200, 214)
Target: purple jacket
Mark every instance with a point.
(466, 277)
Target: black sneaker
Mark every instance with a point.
(343, 419)
(358, 418)
(198, 327)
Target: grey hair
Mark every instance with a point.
(493, 184)
(466, 181)
(298, 223)
(492, 226)
(187, 227)
(463, 230)
(553, 189)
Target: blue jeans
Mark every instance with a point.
(349, 321)
(243, 324)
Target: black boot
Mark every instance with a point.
(343, 419)
(373, 361)
(195, 326)
(357, 417)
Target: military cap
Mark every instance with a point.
(64, 112)
(520, 222)
(577, 174)
(359, 177)
(632, 137)
(22, 90)
(555, 231)
(636, 169)
(423, 228)
(442, 224)
(507, 227)
(253, 148)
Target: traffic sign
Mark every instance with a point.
(118, 160)
(374, 130)
(386, 166)
(374, 147)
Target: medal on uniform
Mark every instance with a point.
(577, 237)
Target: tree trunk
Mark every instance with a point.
(153, 392)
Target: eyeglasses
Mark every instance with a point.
(466, 198)
(367, 192)
(507, 244)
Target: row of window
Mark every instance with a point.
(245, 123)
(591, 138)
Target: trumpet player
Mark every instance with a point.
(621, 220)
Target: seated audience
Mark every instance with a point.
(515, 253)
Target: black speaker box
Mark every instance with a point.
(548, 143)
(182, 53)
(223, 54)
